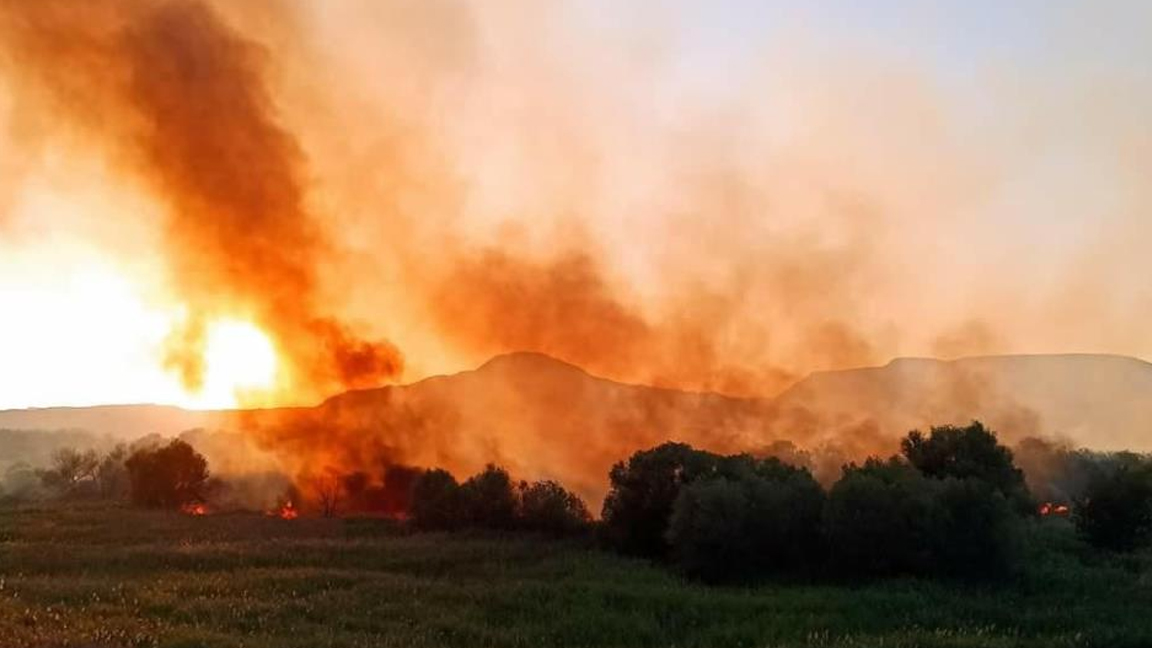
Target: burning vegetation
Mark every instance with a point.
(952, 503)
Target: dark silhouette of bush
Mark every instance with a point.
(547, 507)
(168, 476)
(974, 530)
(489, 499)
(753, 518)
(886, 518)
(968, 452)
(398, 484)
(437, 503)
(1115, 512)
(878, 520)
(643, 490)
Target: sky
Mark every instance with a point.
(756, 190)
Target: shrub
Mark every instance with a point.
(436, 501)
(397, 488)
(764, 518)
(72, 472)
(643, 491)
(877, 520)
(168, 476)
(547, 507)
(1116, 510)
(112, 474)
(974, 531)
(886, 518)
(967, 452)
(489, 499)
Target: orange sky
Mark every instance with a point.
(623, 193)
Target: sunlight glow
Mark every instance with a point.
(239, 358)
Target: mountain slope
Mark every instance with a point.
(1100, 401)
(544, 418)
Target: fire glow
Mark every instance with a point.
(286, 512)
(195, 509)
(1048, 508)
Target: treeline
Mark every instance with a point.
(148, 473)
(952, 503)
(491, 500)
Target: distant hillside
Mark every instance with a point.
(118, 421)
(1099, 401)
(538, 416)
(542, 417)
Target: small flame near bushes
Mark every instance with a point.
(194, 508)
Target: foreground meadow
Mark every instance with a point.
(101, 575)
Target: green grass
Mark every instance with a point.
(109, 576)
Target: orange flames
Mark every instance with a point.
(194, 508)
(286, 512)
(1048, 508)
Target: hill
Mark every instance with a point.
(1099, 401)
(545, 418)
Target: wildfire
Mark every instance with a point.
(1048, 508)
(194, 508)
(286, 512)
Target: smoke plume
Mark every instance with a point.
(469, 178)
(179, 98)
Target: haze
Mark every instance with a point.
(218, 204)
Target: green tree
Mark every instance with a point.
(1115, 511)
(967, 452)
(642, 493)
(878, 520)
(762, 518)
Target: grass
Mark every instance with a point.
(99, 575)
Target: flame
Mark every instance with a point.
(239, 360)
(1048, 508)
(194, 508)
(286, 512)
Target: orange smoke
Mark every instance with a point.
(179, 98)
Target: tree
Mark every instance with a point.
(1115, 511)
(547, 507)
(762, 518)
(168, 476)
(329, 489)
(70, 470)
(878, 520)
(489, 500)
(436, 501)
(398, 484)
(974, 530)
(643, 491)
(112, 475)
(967, 452)
(886, 518)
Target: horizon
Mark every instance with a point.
(562, 361)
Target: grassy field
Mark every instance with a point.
(107, 576)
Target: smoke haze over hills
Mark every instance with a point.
(543, 418)
(391, 190)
